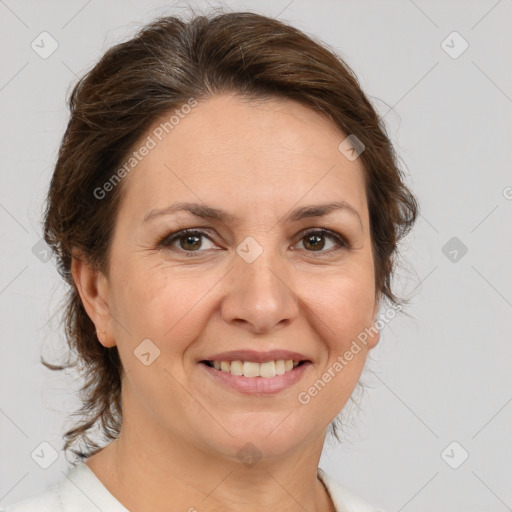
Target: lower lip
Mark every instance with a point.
(257, 385)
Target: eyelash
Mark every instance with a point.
(166, 241)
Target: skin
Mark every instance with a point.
(181, 433)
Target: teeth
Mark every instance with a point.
(268, 369)
(237, 368)
(251, 369)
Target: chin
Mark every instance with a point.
(257, 435)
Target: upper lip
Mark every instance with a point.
(256, 357)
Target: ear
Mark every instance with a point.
(373, 331)
(92, 285)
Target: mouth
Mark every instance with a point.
(254, 378)
(252, 369)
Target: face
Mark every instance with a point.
(260, 274)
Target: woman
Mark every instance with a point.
(225, 209)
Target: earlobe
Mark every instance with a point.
(374, 331)
(103, 338)
(373, 335)
(93, 291)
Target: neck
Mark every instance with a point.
(145, 470)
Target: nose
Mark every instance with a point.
(260, 295)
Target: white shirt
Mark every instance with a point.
(80, 490)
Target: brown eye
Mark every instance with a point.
(186, 241)
(190, 242)
(315, 241)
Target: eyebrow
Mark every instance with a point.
(206, 212)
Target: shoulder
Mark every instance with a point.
(47, 501)
(345, 500)
(79, 490)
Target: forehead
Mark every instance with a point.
(243, 153)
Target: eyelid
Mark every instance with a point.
(170, 238)
(340, 240)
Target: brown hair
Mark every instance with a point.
(138, 81)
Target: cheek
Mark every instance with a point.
(344, 303)
(163, 305)
(344, 310)
(154, 307)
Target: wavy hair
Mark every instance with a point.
(138, 81)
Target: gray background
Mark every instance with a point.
(439, 377)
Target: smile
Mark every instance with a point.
(250, 369)
(252, 378)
